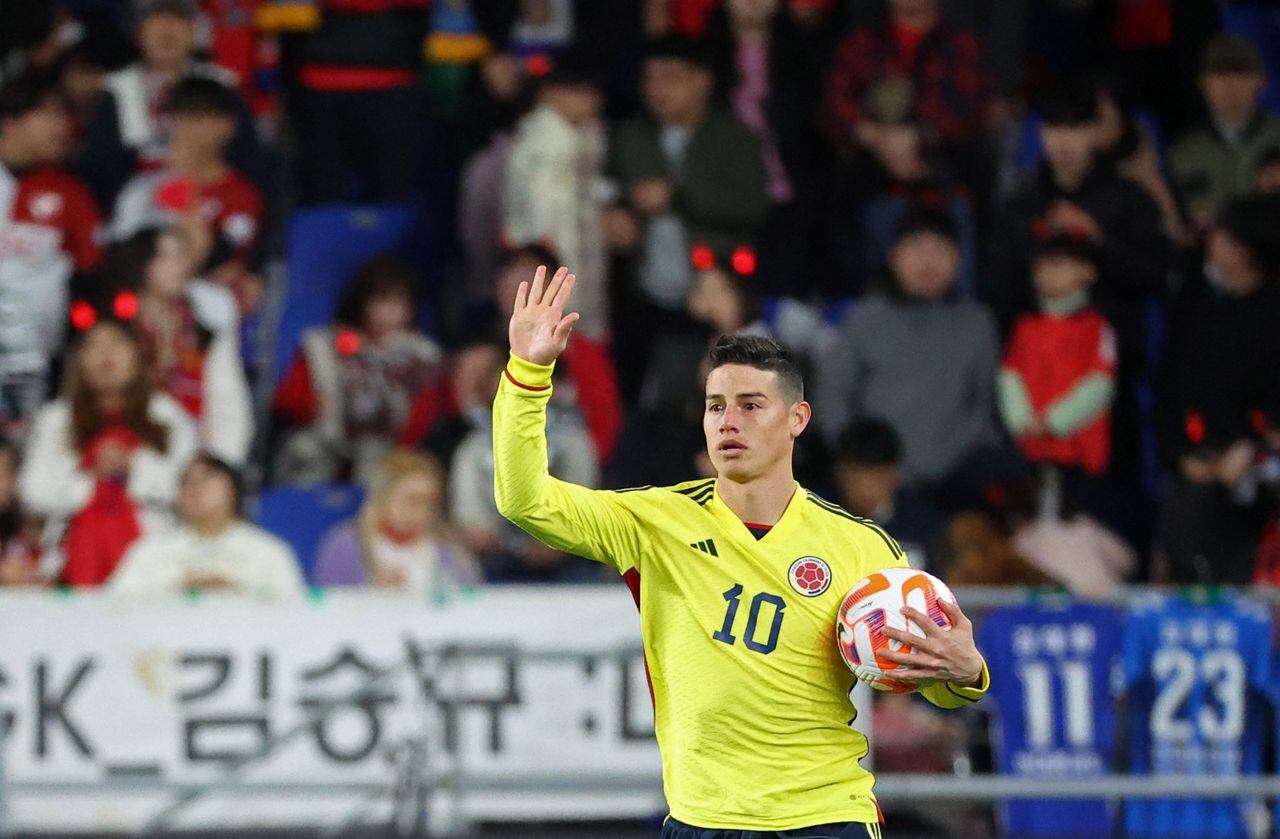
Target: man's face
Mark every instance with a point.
(1232, 97)
(925, 265)
(864, 490)
(166, 39)
(675, 91)
(750, 426)
(1069, 148)
(43, 134)
(203, 134)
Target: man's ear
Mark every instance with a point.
(801, 413)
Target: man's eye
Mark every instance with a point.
(715, 408)
(751, 406)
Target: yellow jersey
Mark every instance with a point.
(751, 699)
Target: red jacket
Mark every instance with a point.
(1052, 355)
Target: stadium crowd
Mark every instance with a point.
(1028, 253)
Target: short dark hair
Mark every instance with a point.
(532, 252)
(692, 52)
(198, 95)
(380, 276)
(762, 354)
(575, 67)
(1250, 221)
(927, 220)
(1071, 103)
(1063, 245)
(869, 442)
(226, 470)
(1230, 54)
(26, 93)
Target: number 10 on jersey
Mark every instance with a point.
(770, 604)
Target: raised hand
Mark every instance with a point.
(540, 329)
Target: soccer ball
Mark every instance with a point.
(876, 602)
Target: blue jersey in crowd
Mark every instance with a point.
(1051, 677)
(1196, 675)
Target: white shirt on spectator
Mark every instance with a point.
(252, 561)
(53, 485)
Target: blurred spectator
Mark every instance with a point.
(776, 56)
(482, 186)
(1225, 399)
(1058, 379)
(191, 358)
(507, 553)
(978, 551)
(1075, 193)
(361, 387)
(672, 397)
(400, 538)
(1034, 535)
(127, 132)
(20, 548)
(105, 458)
(82, 72)
(1125, 142)
(215, 549)
(1219, 159)
(924, 361)
(589, 379)
(727, 302)
(689, 173)
(48, 223)
(868, 478)
(942, 62)
(356, 107)
(904, 168)
(554, 183)
(197, 186)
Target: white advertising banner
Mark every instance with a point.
(526, 702)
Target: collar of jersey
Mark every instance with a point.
(736, 528)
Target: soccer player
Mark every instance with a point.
(749, 691)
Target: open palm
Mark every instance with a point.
(540, 329)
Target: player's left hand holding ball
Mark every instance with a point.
(943, 654)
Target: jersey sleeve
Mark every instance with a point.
(955, 695)
(596, 524)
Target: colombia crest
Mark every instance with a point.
(810, 576)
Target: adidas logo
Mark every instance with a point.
(707, 546)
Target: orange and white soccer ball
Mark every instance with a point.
(877, 602)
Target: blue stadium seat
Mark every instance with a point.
(302, 515)
(325, 246)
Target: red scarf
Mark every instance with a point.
(99, 534)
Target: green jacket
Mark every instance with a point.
(1207, 172)
(720, 194)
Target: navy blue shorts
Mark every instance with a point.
(675, 829)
